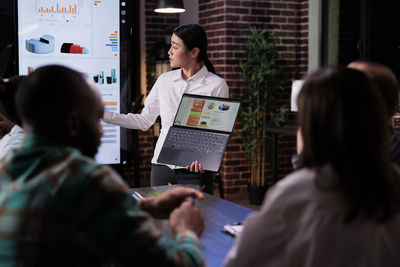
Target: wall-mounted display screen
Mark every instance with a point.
(86, 36)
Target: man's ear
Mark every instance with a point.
(73, 123)
(194, 53)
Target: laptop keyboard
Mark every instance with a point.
(196, 141)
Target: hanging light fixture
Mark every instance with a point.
(169, 6)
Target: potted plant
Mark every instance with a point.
(263, 81)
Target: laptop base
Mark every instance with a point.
(183, 158)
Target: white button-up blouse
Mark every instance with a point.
(163, 100)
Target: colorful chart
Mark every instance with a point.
(113, 41)
(224, 107)
(195, 112)
(211, 105)
(70, 48)
(42, 45)
(101, 79)
(110, 106)
(60, 7)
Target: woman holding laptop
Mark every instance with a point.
(195, 75)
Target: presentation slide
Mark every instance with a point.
(212, 114)
(83, 35)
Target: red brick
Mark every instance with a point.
(230, 10)
(231, 17)
(233, 3)
(288, 27)
(279, 5)
(287, 13)
(249, 3)
(279, 20)
(257, 12)
(263, 4)
(273, 12)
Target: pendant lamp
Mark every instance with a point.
(169, 6)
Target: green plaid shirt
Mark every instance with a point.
(60, 208)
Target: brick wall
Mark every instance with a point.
(226, 23)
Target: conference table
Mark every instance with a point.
(217, 212)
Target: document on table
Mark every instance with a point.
(233, 229)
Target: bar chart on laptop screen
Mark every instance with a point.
(83, 35)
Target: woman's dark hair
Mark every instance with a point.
(193, 35)
(343, 123)
(8, 89)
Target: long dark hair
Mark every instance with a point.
(343, 123)
(193, 35)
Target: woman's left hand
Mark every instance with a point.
(195, 167)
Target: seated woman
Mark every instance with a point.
(8, 88)
(341, 208)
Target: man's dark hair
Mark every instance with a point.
(47, 97)
(342, 121)
(8, 89)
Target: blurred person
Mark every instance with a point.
(341, 208)
(387, 84)
(195, 75)
(14, 137)
(59, 208)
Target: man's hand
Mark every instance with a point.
(187, 217)
(195, 167)
(161, 206)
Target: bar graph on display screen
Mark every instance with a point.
(113, 41)
(57, 7)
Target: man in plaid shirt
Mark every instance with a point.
(59, 208)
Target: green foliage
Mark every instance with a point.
(263, 81)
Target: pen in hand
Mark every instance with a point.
(193, 198)
(137, 195)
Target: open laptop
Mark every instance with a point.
(201, 130)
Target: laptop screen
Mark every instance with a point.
(205, 112)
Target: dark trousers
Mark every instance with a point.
(162, 175)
